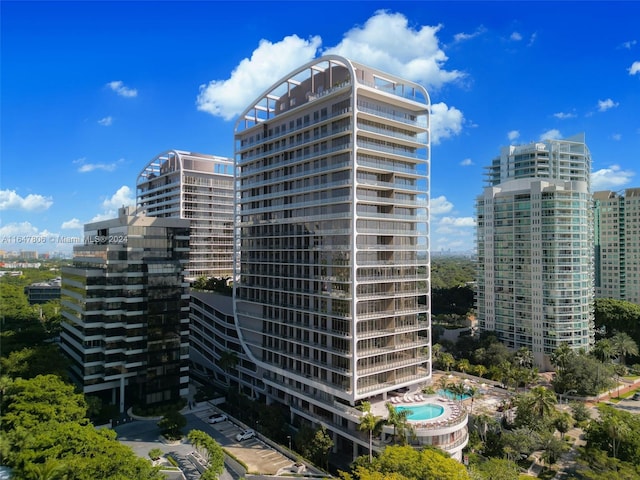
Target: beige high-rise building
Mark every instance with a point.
(617, 244)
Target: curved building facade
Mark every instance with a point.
(332, 279)
(199, 188)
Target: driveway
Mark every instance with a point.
(143, 435)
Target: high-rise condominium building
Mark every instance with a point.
(332, 285)
(126, 310)
(535, 247)
(617, 244)
(199, 188)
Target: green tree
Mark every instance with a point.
(495, 469)
(172, 424)
(370, 423)
(320, 447)
(28, 403)
(624, 345)
(405, 462)
(543, 401)
(400, 422)
(552, 448)
(562, 423)
(604, 350)
(210, 450)
(155, 454)
(49, 470)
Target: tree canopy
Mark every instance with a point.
(45, 430)
(405, 462)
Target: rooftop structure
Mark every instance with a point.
(199, 188)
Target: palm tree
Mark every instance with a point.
(561, 356)
(370, 423)
(603, 350)
(480, 370)
(624, 345)
(458, 390)
(472, 392)
(523, 358)
(464, 365)
(398, 418)
(617, 431)
(542, 401)
(228, 361)
(443, 382)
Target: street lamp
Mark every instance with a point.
(289, 438)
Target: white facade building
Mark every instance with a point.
(535, 248)
(617, 244)
(198, 188)
(332, 285)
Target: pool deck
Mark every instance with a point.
(486, 401)
(453, 411)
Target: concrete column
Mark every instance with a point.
(121, 394)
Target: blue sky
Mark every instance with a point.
(91, 91)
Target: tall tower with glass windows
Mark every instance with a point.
(535, 247)
(332, 279)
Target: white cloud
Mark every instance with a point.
(268, 63)
(122, 198)
(532, 39)
(461, 37)
(466, 162)
(440, 205)
(17, 229)
(553, 134)
(445, 122)
(515, 36)
(385, 41)
(90, 167)
(604, 105)
(106, 121)
(458, 221)
(119, 87)
(617, 136)
(634, 68)
(10, 200)
(72, 224)
(513, 135)
(611, 177)
(564, 116)
(628, 44)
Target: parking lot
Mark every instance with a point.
(142, 435)
(257, 455)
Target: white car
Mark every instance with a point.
(218, 417)
(245, 435)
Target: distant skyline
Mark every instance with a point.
(91, 91)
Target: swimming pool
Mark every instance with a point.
(426, 411)
(452, 396)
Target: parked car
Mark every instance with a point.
(218, 417)
(636, 396)
(245, 435)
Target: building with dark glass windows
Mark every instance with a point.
(125, 304)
